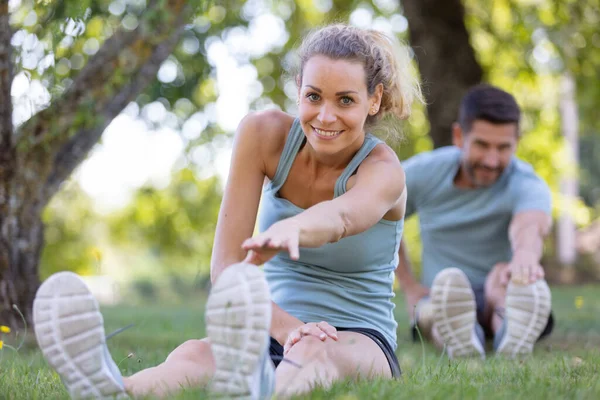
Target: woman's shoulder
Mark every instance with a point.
(263, 134)
(270, 127)
(383, 153)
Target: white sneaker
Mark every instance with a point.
(238, 319)
(69, 329)
(526, 314)
(455, 313)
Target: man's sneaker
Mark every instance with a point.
(455, 313)
(526, 314)
(69, 329)
(238, 319)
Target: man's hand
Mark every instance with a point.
(413, 293)
(525, 268)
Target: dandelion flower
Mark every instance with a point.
(4, 329)
(1, 344)
(578, 302)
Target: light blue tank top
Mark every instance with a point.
(347, 284)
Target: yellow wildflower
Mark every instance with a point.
(578, 302)
(1, 344)
(4, 329)
(97, 254)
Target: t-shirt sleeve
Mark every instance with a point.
(533, 194)
(413, 185)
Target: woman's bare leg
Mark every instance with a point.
(321, 363)
(189, 365)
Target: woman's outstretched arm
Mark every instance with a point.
(379, 187)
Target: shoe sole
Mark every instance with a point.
(455, 313)
(69, 329)
(527, 312)
(238, 318)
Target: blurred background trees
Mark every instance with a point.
(189, 73)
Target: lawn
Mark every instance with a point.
(565, 366)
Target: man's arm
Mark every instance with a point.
(526, 232)
(413, 290)
(404, 270)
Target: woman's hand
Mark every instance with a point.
(281, 236)
(322, 330)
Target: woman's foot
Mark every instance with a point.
(69, 329)
(238, 319)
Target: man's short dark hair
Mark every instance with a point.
(488, 103)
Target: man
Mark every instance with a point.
(483, 215)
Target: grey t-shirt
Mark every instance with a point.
(467, 228)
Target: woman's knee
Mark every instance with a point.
(309, 348)
(192, 351)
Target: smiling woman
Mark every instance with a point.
(332, 215)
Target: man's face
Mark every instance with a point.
(486, 150)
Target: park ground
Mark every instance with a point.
(565, 366)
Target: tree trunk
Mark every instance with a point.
(569, 184)
(445, 58)
(19, 282)
(36, 159)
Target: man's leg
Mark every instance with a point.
(495, 298)
(449, 317)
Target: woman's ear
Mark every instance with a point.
(378, 95)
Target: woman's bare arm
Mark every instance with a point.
(379, 187)
(237, 216)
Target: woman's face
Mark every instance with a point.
(334, 103)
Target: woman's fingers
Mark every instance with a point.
(328, 329)
(293, 338)
(322, 330)
(255, 243)
(293, 249)
(312, 330)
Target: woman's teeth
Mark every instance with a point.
(327, 133)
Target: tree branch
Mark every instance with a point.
(58, 138)
(77, 148)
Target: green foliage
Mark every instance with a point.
(175, 225)
(71, 226)
(163, 235)
(524, 46)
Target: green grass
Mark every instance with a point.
(565, 366)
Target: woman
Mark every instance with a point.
(333, 201)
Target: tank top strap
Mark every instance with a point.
(292, 145)
(366, 148)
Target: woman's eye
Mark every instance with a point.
(312, 97)
(346, 101)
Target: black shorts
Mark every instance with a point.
(276, 350)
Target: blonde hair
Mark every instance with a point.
(385, 61)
